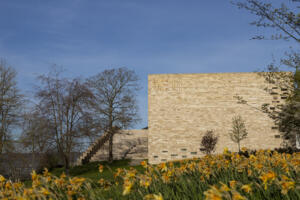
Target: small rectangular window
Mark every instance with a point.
(277, 136)
(193, 153)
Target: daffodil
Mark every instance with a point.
(267, 178)
(46, 172)
(246, 188)
(232, 184)
(144, 164)
(224, 188)
(163, 167)
(158, 197)
(127, 188)
(34, 175)
(153, 197)
(2, 179)
(63, 175)
(237, 196)
(286, 186)
(44, 191)
(100, 168)
(213, 194)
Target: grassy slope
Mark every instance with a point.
(90, 170)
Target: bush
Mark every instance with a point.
(208, 142)
(288, 150)
(48, 160)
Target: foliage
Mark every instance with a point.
(226, 176)
(48, 160)
(289, 123)
(208, 142)
(239, 131)
(286, 115)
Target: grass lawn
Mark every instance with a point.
(91, 171)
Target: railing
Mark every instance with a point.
(93, 149)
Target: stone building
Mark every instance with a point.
(182, 107)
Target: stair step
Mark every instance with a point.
(93, 149)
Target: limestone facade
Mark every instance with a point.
(182, 107)
(127, 144)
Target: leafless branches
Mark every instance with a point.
(114, 101)
(10, 105)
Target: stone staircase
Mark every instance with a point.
(93, 149)
(128, 144)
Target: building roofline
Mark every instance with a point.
(214, 73)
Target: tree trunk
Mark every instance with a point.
(110, 148)
(1, 146)
(67, 164)
(239, 147)
(111, 134)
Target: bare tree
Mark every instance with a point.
(239, 131)
(10, 105)
(115, 100)
(37, 136)
(62, 102)
(284, 19)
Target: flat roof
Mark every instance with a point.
(215, 73)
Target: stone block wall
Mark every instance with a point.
(128, 144)
(182, 107)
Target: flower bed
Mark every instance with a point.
(263, 175)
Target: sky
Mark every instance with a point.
(86, 37)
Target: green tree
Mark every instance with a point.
(239, 131)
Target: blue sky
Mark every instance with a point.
(150, 37)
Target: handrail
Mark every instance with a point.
(93, 149)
